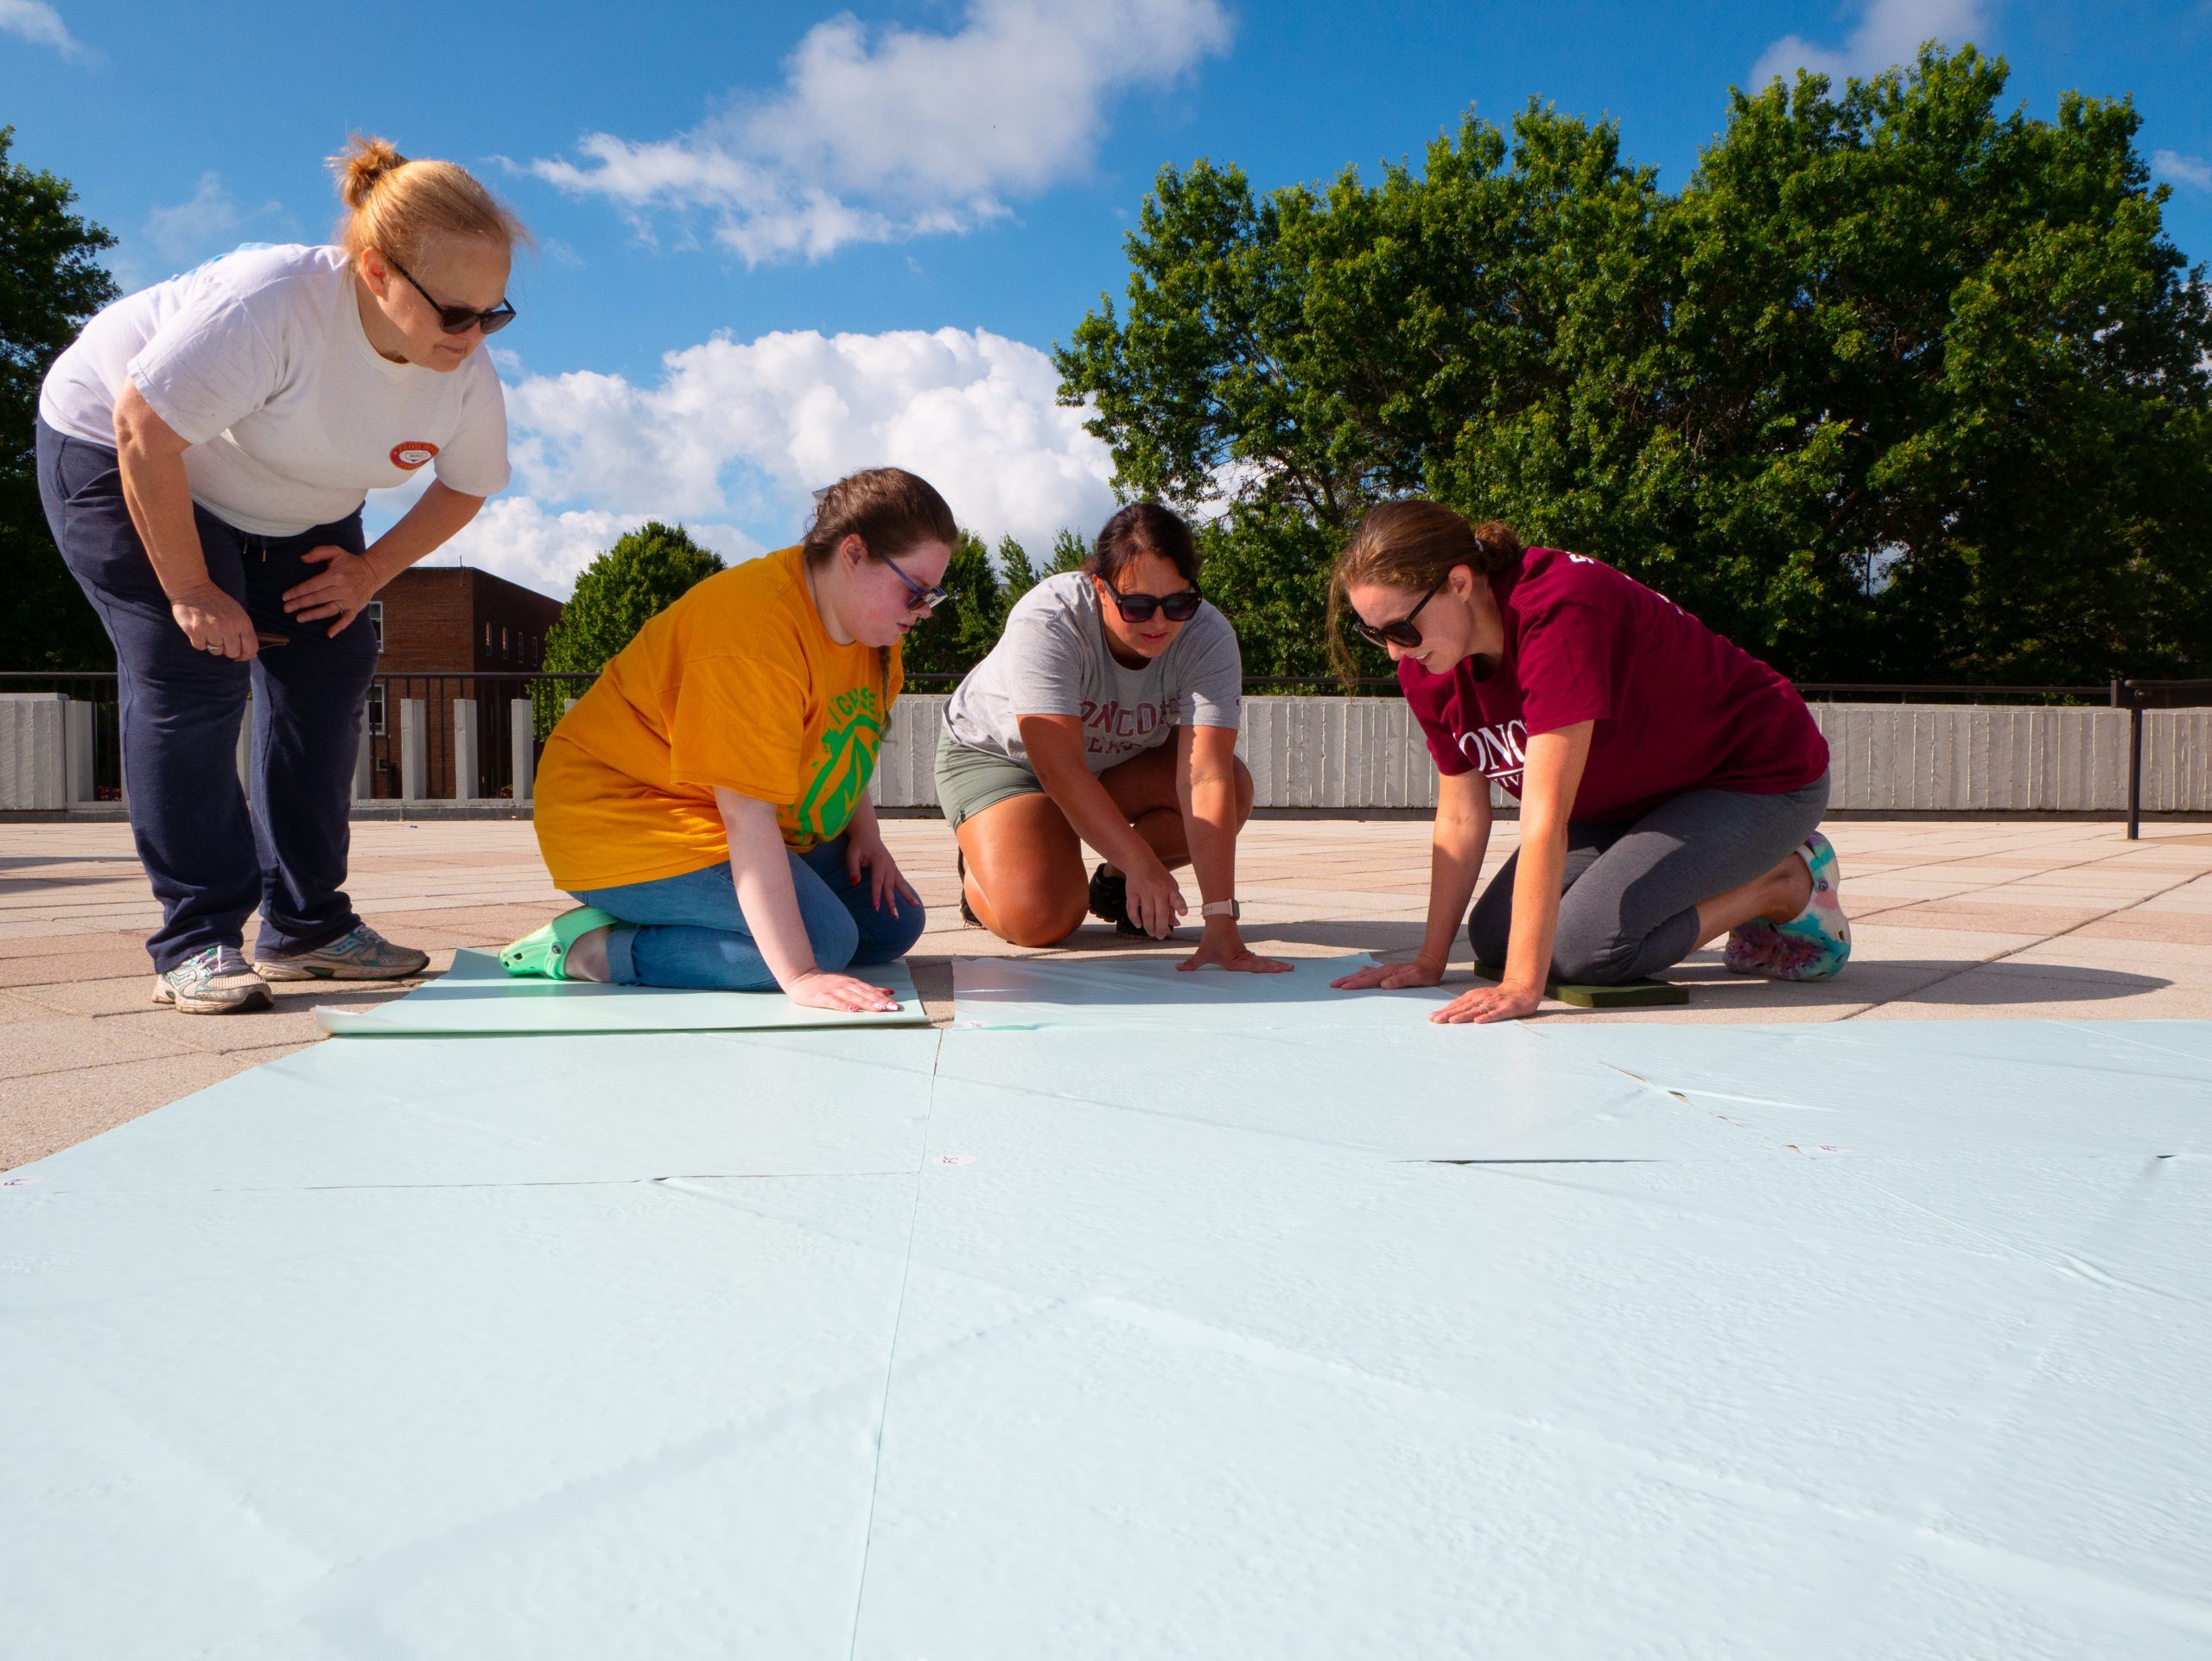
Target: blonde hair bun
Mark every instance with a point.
(392, 203)
(360, 165)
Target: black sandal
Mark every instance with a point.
(967, 911)
(1109, 900)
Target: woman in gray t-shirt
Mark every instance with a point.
(1062, 736)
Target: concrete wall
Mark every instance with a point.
(1361, 753)
(1367, 753)
(34, 750)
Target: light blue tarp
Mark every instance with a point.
(1127, 1335)
(476, 997)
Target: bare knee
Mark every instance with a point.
(1035, 919)
(1243, 791)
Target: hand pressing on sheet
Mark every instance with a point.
(1389, 976)
(1222, 945)
(1507, 1000)
(818, 988)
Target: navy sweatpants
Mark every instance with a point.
(210, 862)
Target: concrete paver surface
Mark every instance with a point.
(1951, 919)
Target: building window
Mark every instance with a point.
(376, 628)
(376, 710)
(504, 657)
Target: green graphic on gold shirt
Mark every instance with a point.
(848, 744)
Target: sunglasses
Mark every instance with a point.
(1139, 607)
(1402, 633)
(919, 596)
(458, 320)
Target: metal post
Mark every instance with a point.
(521, 718)
(364, 777)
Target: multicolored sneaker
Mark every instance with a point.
(215, 982)
(1812, 945)
(360, 954)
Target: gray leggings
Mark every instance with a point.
(1632, 891)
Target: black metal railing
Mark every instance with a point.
(2135, 696)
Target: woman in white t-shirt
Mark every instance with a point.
(1107, 714)
(204, 450)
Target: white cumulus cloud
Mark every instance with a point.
(2192, 170)
(39, 23)
(733, 437)
(519, 539)
(1888, 33)
(878, 135)
(742, 431)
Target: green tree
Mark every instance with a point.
(1899, 387)
(646, 571)
(50, 281)
(1018, 575)
(1069, 551)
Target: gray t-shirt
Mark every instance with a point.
(1052, 660)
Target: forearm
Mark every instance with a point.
(1209, 805)
(1075, 790)
(862, 826)
(159, 498)
(1455, 865)
(761, 871)
(1536, 880)
(436, 517)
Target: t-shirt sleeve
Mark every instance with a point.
(1212, 694)
(208, 366)
(739, 724)
(1424, 695)
(1044, 663)
(474, 461)
(1568, 666)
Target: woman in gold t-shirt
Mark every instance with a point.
(707, 800)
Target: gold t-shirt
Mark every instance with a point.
(736, 685)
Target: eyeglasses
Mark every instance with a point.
(1402, 633)
(458, 320)
(918, 596)
(1139, 607)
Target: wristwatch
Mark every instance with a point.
(1228, 908)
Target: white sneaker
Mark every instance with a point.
(215, 982)
(360, 954)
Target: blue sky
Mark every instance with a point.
(778, 242)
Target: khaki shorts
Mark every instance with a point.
(970, 780)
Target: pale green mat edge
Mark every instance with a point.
(477, 997)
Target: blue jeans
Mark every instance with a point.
(688, 930)
(211, 859)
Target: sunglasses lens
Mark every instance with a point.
(495, 321)
(1180, 608)
(1135, 607)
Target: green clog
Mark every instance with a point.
(542, 951)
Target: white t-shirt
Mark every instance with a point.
(1053, 660)
(258, 361)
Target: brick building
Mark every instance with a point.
(446, 633)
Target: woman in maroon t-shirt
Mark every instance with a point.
(1669, 782)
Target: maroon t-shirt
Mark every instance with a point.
(1677, 708)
